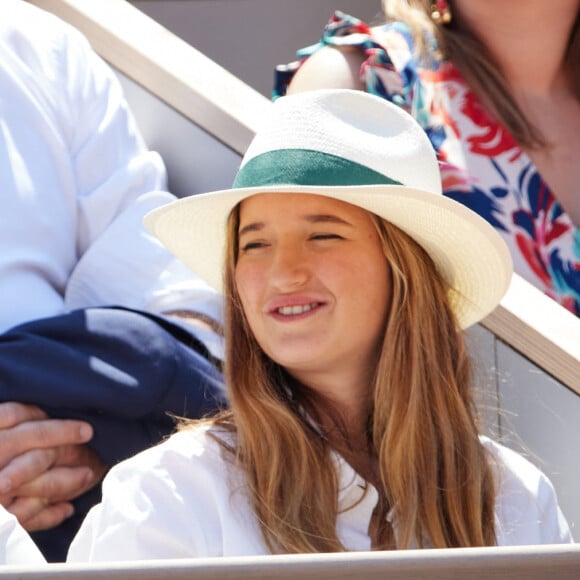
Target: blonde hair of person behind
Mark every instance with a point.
(421, 427)
(477, 66)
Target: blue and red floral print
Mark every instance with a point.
(481, 164)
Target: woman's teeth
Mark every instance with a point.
(293, 310)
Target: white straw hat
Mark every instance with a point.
(363, 150)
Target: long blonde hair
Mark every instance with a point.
(477, 65)
(422, 428)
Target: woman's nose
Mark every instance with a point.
(290, 267)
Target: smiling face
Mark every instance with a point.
(314, 284)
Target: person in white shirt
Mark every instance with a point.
(348, 280)
(94, 346)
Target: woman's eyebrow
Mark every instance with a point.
(326, 218)
(310, 218)
(253, 227)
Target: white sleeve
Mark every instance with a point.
(16, 546)
(554, 528)
(159, 504)
(136, 520)
(112, 166)
(127, 266)
(118, 182)
(527, 510)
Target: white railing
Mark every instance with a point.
(561, 562)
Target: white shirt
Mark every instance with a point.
(16, 546)
(75, 182)
(184, 499)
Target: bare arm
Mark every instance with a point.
(329, 68)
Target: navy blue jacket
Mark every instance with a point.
(124, 371)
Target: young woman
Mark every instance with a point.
(348, 278)
(496, 86)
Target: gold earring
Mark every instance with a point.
(440, 12)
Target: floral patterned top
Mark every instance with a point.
(481, 164)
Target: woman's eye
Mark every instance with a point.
(326, 236)
(249, 246)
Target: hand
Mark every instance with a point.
(42, 464)
(43, 502)
(25, 428)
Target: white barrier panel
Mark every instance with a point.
(558, 562)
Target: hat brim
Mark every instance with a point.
(468, 252)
